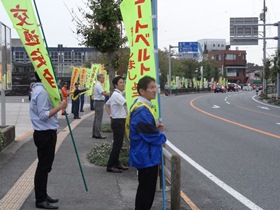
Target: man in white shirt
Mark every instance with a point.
(115, 107)
(99, 96)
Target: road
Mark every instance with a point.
(230, 146)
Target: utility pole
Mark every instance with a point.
(278, 75)
(263, 18)
(169, 67)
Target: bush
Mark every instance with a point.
(2, 141)
(100, 153)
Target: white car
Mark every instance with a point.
(247, 87)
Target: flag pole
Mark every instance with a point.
(155, 30)
(66, 115)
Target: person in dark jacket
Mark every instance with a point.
(146, 140)
(76, 100)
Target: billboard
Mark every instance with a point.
(244, 31)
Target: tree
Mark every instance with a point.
(102, 30)
(267, 64)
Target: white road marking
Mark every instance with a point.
(278, 123)
(215, 179)
(215, 107)
(263, 107)
(278, 107)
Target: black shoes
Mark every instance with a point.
(45, 205)
(122, 167)
(76, 118)
(52, 200)
(99, 137)
(114, 170)
(82, 111)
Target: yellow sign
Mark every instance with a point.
(139, 29)
(92, 77)
(25, 22)
(74, 78)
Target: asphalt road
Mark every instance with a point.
(230, 146)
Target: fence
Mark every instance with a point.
(172, 171)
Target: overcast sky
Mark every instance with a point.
(178, 21)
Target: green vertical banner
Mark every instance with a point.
(139, 29)
(106, 83)
(92, 77)
(25, 22)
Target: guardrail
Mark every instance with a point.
(173, 174)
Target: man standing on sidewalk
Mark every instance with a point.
(99, 96)
(146, 140)
(76, 100)
(115, 107)
(45, 124)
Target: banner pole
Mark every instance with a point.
(66, 115)
(155, 29)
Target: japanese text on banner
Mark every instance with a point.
(24, 21)
(139, 29)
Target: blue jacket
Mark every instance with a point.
(146, 139)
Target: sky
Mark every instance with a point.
(178, 21)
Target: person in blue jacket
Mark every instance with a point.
(146, 140)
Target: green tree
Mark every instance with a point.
(101, 30)
(267, 64)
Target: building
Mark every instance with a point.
(231, 62)
(63, 60)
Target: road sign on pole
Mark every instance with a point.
(244, 31)
(188, 46)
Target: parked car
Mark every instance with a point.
(31, 87)
(247, 87)
(219, 89)
(233, 87)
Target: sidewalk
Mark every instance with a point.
(106, 191)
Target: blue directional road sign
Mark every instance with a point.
(188, 46)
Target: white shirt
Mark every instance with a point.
(97, 92)
(117, 102)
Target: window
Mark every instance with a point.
(230, 57)
(19, 56)
(77, 57)
(67, 56)
(54, 56)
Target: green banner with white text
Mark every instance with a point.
(139, 29)
(25, 22)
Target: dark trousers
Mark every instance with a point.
(75, 108)
(118, 127)
(96, 129)
(45, 142)
(147, 179)
(82, 97)
(91, 104)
